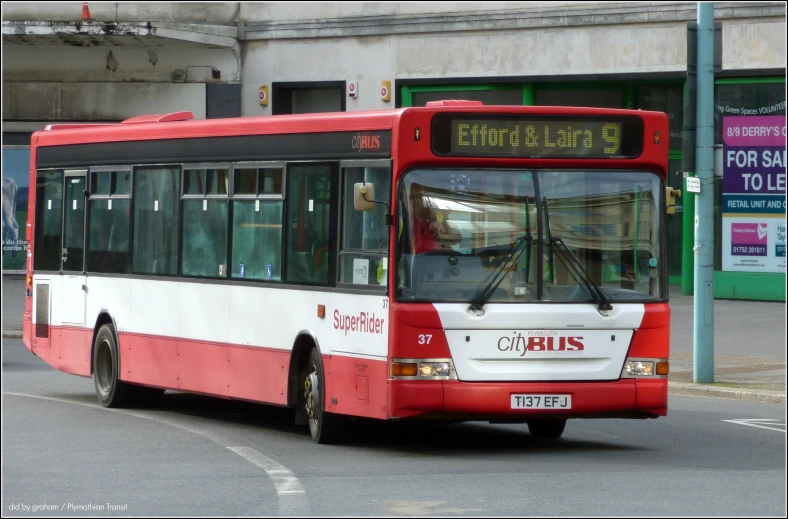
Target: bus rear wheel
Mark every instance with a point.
(546, 429)
(110, 390)
(324, 427)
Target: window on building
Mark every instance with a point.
(747, 99)
(205, 217)
(596, 98)
(49, 219)
(311, 223)
(512, 96)
(257, 221)
(668, 99)
(156, 222)
(763, 100)
(303, 98)
(362, 258)
(109, 222)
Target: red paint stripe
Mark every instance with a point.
(652, 339)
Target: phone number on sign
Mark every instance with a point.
(748, 249)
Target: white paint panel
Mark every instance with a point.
(155, 307)
(111, 294)
(72, 298)
(540, 316)
(272, 317)
(476, 342)
(235, 314)
(501, 355)
(204, 312)
(359, 324)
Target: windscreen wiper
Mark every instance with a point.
(577, 271)
(500, 273)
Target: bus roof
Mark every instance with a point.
(180, 125)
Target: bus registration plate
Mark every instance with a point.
(541, 401)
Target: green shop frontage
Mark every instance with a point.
(757, 96)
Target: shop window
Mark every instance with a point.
(668, 99)
(764, 102)
(595, 98)
(488, 97)
(747, 100)
(303, 98)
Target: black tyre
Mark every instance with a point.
(546, 429)
(323, 426)
(110, 390)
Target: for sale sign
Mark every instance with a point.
(753, 194)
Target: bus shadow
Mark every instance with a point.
(471, 438)
(412, 437)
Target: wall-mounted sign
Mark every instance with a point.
(753, 193)
(352, 88)
(385, 91)
(264, 95)
(693, 184)
(16, 183)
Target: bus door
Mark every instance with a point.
(72, 256)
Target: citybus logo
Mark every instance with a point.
(542, 342)
(366, 142)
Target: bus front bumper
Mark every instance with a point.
(625, 398)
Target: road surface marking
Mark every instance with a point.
(290, 494)
(761, 423)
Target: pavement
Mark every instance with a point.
(749, 344)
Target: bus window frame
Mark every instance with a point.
(94, 196)
(363, 163)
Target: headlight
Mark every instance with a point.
(422, 369)
(645, 367)
(435, 369)
(639, 368)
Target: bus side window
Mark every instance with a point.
(365, 235)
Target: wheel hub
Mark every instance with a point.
(311, 395)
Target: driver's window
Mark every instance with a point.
(363, 257)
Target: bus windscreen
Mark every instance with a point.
(491, 135)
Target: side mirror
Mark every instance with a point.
(363, 194)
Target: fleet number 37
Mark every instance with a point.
(425, 339)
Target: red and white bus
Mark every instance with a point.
(450, 262)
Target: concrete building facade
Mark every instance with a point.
(219, 59)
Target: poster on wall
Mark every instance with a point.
(753, 193)
(16, 174)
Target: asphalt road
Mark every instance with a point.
(200, 456)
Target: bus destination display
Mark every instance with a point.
(555, 137)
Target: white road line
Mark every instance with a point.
(292, 497)
(761, 423)
(290, 494)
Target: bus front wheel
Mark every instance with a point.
(546, 429)
(324, 427)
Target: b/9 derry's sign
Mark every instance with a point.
(753, 193)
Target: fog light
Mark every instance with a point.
(639, 368)
(435, 369)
